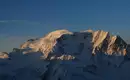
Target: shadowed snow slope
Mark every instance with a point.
(65, 55)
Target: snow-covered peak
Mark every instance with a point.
(64, 55)
(45, 44)
(4, 55)
(97, 41)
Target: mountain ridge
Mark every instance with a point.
(65, 55)
(100, 40)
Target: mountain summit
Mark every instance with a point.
(64, 41)
(65, 55)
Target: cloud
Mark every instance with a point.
(21, 22)
(7, 21)
(3, 21)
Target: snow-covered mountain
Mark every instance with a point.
(65, 55)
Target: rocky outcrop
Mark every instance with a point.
(16, 50)
(109, 44)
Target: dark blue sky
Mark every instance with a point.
(22, 18)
